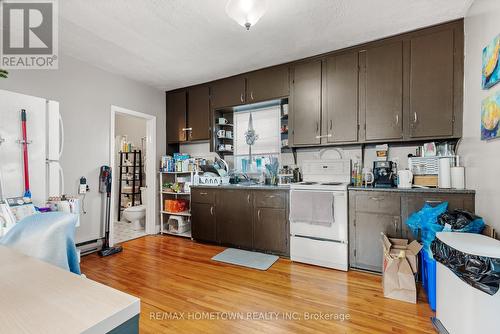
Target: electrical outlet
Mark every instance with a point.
(83, 187)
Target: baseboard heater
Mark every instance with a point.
(91, 246)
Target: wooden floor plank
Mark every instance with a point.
(175, 276)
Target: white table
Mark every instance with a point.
(37, 297)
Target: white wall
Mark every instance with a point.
(482, 159)
(86, 94)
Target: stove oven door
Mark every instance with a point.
(319, 214)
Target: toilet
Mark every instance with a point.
(135, 215)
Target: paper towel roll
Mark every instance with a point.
(458, 177)
(444, 176)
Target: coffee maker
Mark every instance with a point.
(384, 175)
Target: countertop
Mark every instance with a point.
(38, 297)
(415, 190)
(251, 187)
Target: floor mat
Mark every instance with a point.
(247, 259)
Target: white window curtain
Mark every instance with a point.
(266, 122)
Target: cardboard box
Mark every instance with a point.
(399, 268)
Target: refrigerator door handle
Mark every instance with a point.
(61, 175)
(61, 140)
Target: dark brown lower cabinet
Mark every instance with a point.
(270, 230)
(374, 212)
(248, 219)
(203, 226)
(234, 217)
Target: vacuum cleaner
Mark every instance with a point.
(105, 188)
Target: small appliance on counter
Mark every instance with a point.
(383, 172)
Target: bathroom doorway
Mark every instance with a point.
(132, 159)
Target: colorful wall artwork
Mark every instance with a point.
(491, 67)
(490, 117)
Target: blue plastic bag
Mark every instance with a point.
(425, 223)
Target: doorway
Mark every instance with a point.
(132, 152)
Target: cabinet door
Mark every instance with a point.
(367, 229)
(228, 92)
(176, 117)
(268, 84)
(198, 115)
(383, 86)
(203, 225)
(270, 230)
(234, 218)
(342, 98)
(431, 85)
(306, 103)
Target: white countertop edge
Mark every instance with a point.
(116, 319)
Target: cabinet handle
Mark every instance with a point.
(258, 214)
(317, 127)
(395, 225)
(431, 201)
(415, 117)
(375, 199)
(397, 119)
(203, 194)
(241, 97)
(324, 136)
(248, 198)
(331, 124)
(251, 95)
(187, 129)
(212, 210)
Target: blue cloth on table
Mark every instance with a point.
(49, 237)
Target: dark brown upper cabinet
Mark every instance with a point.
(176, 116)
(268, 84)
(341, 98)
(381, 91)
(431, 98)
(305, 103)
(228, 92)
(198, 114)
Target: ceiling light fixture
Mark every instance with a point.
(246, 12)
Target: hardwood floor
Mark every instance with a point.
(175, 278)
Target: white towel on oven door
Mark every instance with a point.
(312, 207)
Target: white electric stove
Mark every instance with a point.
(318, 214)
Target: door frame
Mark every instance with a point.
(150, 225)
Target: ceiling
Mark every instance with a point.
(176, 43)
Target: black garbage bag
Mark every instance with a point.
(481, 272)
(457, 219)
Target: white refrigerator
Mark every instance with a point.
(45, 135)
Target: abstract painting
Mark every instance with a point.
(490, 117)
(491, 68)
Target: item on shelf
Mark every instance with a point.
(177, 224)
(405, 179)
(229, 134)
(176, 205)
(284, 110)
(284, 129)
(167, 164)
(444, 175)
(429, 149)
(382, 152)
(221, 133)
(222, 121)
(384, 174)
(284, 143)
(425, 180)
(458, 177)
(285, 176)
(368, 176)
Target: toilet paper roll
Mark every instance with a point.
(444, 176)
(128, 205)
(458, 177)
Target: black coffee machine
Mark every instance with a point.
(383, 172)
